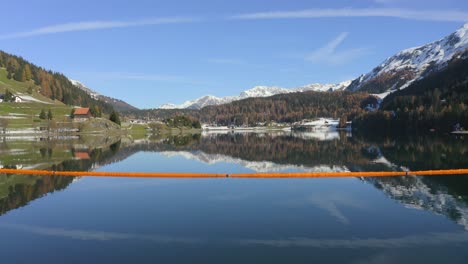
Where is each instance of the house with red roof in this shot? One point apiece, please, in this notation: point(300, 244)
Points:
point(81, 114)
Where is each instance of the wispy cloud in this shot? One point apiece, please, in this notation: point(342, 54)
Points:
point(97, 235)
point(431, 239)
point(330, 55)
point(330, 203)
point(96, 25)
point(434, 15)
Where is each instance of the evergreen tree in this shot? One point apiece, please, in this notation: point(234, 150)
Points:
point(114, 117)
point(42, 115)
point(72, 113)
point(20, 75)
point(49, 115)
point(8, 96)
point(95, 111)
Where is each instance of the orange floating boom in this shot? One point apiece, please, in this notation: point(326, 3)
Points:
point(236, 175)
point(116, 174)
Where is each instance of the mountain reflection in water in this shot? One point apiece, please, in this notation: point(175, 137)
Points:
point(261, 152)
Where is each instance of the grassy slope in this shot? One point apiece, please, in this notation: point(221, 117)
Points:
point(26, 114)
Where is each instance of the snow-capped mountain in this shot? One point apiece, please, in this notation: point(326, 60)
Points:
point(257, 91)
point(422, 194)
point(400, 70)
point(257, 166)
point(319, 87)
point(83, 87)
point(118, 104)
point(263, 91)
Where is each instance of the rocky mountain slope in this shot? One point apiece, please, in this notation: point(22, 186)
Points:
point(409, 65)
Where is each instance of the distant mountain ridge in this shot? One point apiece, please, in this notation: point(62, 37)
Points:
point(257, 91)
point(119, 105)
point(409, 65)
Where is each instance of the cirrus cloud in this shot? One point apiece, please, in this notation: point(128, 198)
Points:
point(329, 54)
point(96, 25)
point(433, 15)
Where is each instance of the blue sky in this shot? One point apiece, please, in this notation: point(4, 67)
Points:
point(153, 52)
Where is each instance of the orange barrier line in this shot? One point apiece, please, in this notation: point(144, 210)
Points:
point(116, 174)
point(237, 175)
point(319, 174)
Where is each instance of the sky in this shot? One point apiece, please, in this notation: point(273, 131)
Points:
point(151, 52)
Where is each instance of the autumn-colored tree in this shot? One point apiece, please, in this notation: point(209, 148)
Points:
point(343, 120)
point(27, 72)
point(12, 66)
point(51, 84)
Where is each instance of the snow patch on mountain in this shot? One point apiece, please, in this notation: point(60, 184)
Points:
point(257, 91)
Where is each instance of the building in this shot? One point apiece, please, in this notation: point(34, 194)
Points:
point(82, 155)
point(17, 99)
point(81, 114)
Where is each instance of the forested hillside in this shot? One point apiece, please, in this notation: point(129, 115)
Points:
point(290, 107)
point(52, 85)
point(437, 102)
point(285, 108)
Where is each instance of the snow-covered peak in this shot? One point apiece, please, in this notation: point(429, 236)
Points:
point(168, 106)
point(83, 87)
point(75, 82)
point(257, 91)
point(263, 91)
point(118, 104)
point(257, 166)
point(319, 87)
point(400, 70)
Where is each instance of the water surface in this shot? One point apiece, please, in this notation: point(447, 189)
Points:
point(408, 219)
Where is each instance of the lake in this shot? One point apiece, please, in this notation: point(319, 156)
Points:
point(54, 219)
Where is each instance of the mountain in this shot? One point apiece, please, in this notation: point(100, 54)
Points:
point(424, 194)
point(399, 71)
point(436, 102)
point(200, 102)
point(395, 73)
point(119, 105)
point(257, 91)
point(284, 108)
point(42, 84)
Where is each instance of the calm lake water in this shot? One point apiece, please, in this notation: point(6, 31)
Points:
point(409, 219)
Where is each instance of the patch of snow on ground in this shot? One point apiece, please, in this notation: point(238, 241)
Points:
point(32, 99)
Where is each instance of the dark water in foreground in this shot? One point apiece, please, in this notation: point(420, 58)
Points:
point(130, 220)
